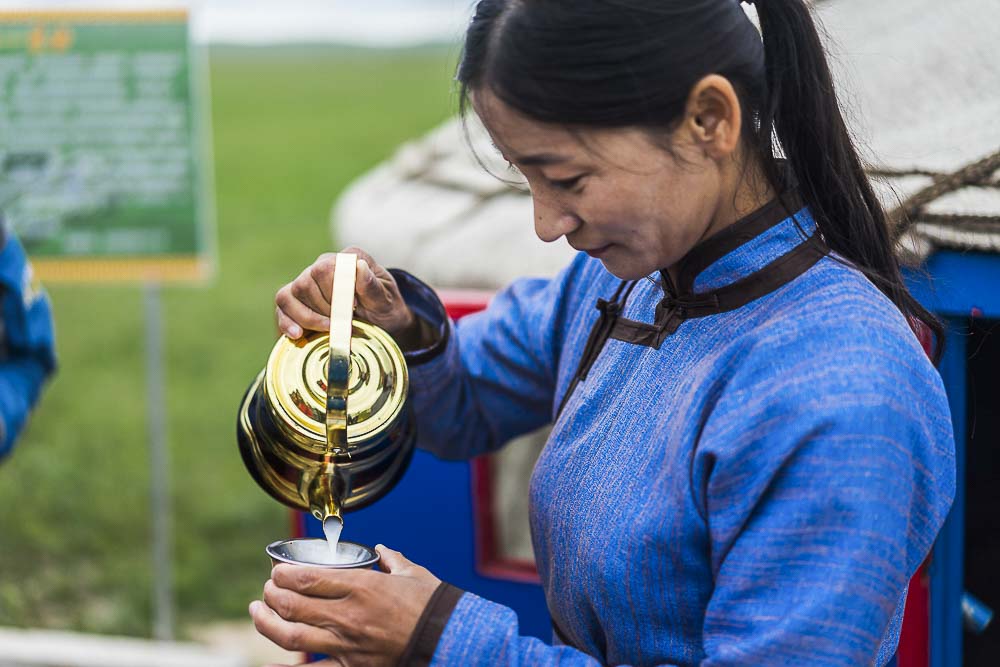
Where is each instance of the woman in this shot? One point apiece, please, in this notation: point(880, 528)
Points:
point(751, 454)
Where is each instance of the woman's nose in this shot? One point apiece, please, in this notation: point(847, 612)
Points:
point(552, 223)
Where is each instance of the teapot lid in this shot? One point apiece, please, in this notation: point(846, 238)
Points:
point(296, 376)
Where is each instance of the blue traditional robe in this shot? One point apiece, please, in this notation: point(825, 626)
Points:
point(751, 486)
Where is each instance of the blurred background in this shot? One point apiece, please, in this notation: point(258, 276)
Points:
point(302, 97)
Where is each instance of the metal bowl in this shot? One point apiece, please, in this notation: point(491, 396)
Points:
point(314, 552)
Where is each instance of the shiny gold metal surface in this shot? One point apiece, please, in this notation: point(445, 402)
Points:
point(296, 380)
point(327, 441)
point(338, 364)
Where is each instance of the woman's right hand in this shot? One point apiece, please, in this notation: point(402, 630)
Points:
point(304, 303)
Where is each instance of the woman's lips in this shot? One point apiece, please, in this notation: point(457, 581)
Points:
point(597, 252)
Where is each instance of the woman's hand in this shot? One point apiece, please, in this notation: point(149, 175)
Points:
point(304, 303)
point(357, 617)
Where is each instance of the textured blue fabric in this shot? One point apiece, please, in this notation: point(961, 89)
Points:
point(757, 491)
point(27, 347)
point(759, 251)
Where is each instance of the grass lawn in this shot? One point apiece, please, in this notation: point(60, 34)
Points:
point(292, 127)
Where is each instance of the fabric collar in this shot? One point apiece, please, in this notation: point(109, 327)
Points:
point(752, 257)
point(745, 247)
point(749, 259)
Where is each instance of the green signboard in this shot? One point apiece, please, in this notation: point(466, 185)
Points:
point(102, 172)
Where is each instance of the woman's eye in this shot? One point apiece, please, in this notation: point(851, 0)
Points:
point(567, 183)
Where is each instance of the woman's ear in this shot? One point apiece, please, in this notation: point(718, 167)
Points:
point(713, 116)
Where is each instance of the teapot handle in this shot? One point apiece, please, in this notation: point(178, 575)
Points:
point(341, 327)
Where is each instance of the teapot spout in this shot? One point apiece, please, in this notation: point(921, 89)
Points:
point(326, 493)
point(326, 509)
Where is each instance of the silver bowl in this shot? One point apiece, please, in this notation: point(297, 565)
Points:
point(314, 552)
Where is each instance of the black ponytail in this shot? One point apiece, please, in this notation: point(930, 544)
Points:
point(632, 63)
point(801, 106)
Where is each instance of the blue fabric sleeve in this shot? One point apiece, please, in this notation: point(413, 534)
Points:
point(481, 633)
point(27, 346)
point(494, 376)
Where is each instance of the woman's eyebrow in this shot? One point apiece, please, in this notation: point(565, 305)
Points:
point(533, 160)
point(539, 159)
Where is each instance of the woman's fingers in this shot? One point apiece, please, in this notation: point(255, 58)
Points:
point(357, 617)
point(287, 634)
point(295, 607)
point(317, 582)
point(371, 293)
point(379, 300)
point(286, 325)
point(308, 289)
point(362, 255)
point(291, 311)
point(304, 303)
point(392, 561)
point(320, 273)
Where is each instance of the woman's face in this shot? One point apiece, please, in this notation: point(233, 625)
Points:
point(614, 194)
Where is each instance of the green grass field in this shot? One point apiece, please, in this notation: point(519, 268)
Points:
point(292, 127)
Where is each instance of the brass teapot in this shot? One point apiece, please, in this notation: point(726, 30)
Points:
point(325, 427)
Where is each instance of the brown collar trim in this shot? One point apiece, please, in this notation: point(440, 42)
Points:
point(599, 334)
point(732, 237)
point(671, 312)
point(674, 308)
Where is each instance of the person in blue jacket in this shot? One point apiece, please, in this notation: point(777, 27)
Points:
point(750, 453)
point(27, 343)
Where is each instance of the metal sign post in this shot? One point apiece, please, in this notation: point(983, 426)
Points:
point(159, 473)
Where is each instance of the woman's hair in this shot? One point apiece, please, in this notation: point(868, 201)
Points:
point(633, 63)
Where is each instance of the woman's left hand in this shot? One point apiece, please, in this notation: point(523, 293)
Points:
point(357, 617)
